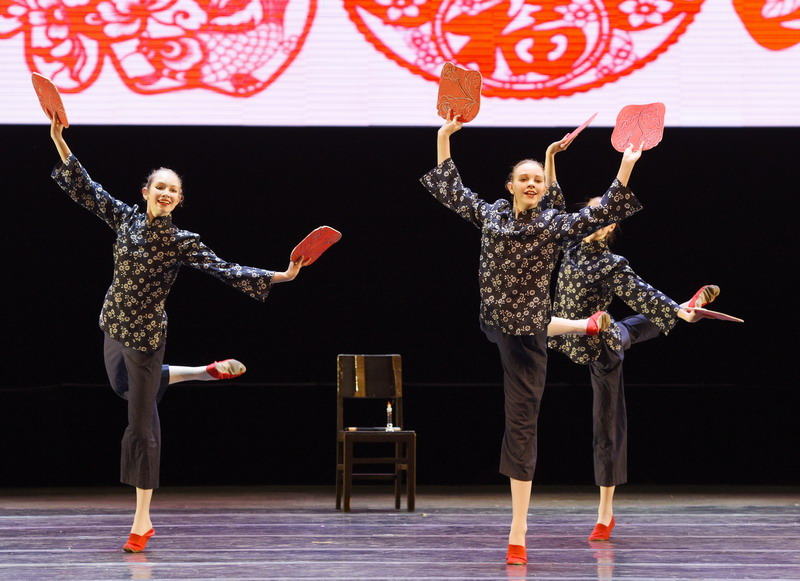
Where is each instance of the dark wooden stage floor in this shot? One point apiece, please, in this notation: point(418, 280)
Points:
point(455, 534)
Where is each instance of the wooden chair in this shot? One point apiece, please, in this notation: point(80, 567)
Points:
point(369, 382)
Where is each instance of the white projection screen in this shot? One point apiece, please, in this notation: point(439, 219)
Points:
point(732, 63)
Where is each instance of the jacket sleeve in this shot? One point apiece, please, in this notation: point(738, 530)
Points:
point(254, 282)
point(73, 178)
point(616, 204)
point(444, 183)
point(643, 298)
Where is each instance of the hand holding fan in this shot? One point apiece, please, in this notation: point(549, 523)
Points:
point(313, 245)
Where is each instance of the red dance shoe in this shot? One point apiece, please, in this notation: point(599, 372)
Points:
point(227, 369)
point(706, 294)
point(136, 543)
point(600, 321)
point(602, 532)
point(516, 555)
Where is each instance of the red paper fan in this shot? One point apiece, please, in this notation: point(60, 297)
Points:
point(49, 98)
point(574, 134)
point(459, 93)
point(313, 245)
point(639, 124)
point(706, 313)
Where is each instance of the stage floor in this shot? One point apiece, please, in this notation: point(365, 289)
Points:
point(455, 534)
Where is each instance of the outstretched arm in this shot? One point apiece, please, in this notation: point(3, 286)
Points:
point(629, 158)
point(56, 134)
point(443, 138)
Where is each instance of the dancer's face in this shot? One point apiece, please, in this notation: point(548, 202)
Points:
point(602, 233)
point(527, 186)
point(163, 194)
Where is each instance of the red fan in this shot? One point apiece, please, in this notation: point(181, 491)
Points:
point(575, 133)
point(313, 245)
point(706, 313)
point(459, 93)
point(49, 98)
point(639, 124)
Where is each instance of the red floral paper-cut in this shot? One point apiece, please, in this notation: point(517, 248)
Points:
point(549, 48)
point(774, 24)
point(313, 245)
point(233, 47)
point(459, 93)
point(49, 98)
point(640, 125)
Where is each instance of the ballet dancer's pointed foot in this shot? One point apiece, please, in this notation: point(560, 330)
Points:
point(227, 369)
point(706, 294)
point(136, 543)
point(602, 532)
point(600, 321)
point(517, 555)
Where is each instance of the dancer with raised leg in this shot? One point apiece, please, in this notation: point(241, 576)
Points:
point(589, 278)
point(148, 253)
point(520, 243)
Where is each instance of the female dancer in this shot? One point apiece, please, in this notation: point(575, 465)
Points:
point(520, 243)
point(148, 253)
point(589, 279)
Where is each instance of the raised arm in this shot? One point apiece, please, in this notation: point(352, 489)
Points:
point(443, 138)
point(629, 158)
point(550, 158)
point(56, 134)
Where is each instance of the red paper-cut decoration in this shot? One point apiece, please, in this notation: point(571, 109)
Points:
point(49, 98)
point(640, 125)
point(550, 48)
point(233, 47)
point(774, 24)
point(459, 93)
point(574, 134)
point(313, 245)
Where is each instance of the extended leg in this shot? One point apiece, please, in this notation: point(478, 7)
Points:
point(600, 321)
point(227, 369)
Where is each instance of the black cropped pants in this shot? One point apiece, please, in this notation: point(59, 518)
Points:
point(141, 379)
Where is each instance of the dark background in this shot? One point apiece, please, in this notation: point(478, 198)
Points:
point(713, 403)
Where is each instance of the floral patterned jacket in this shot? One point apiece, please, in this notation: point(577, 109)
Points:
point(518, 254)
point(589, 279)
point(147, 257)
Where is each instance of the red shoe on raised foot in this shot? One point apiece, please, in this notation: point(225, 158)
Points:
point(516, 555)
point(136, 543)
point(600, 321)
point(706, 294)
point(602, 532)
point(227, 369)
